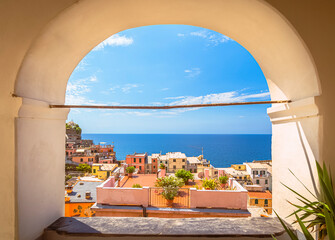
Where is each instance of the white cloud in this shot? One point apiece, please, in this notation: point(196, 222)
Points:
point(193, 72)
point(226, 97)
point(175, 97)
point(76, 90)
point(212, 38)
point(93, 79)
point(126, 88)
point(82, 66)
point(165, 89)
point(115, 40)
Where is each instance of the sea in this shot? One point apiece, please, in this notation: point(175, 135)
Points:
point(221, 150)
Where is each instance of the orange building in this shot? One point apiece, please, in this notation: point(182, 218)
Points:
point(90, 159)
point(138, 160)
point(154, 163)
point(80, 198)
point(261, 199)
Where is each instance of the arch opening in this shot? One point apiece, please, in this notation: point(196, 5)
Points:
point(43, 76)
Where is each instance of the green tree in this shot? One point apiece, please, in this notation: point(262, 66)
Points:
point(185, 175)
point(130, 169)
point(170, 186)
point(136, 185)
point(162, 166)
point(223, 179)
point(84, 168)
point(210, 184)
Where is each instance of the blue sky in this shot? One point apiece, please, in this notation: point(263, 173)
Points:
point(169, 65)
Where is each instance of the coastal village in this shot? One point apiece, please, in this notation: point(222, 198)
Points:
point(160, 185)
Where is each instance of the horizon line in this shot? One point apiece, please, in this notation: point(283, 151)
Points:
point(190, 133)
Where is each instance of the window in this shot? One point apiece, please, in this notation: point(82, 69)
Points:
point(257, 181)
point(140, 168)
point(174, 167)
point(154, 167)
point(174, 160)
point(183, 166)
point(190, 170)
point(255, 172)
point(154, 160)
point(266, 181)
point(140, 160)
point(245, 178)
point(239, 167)
point(195, 170)
point(161, 161)
point(256, 201)
point(266, 202)
point(134, 160)
point(81, 160)
point(94, 170)
point(183, 160)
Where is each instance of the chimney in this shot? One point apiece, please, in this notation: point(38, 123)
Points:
point(88, 195)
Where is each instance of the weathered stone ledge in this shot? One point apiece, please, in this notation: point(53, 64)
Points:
point(164, 227)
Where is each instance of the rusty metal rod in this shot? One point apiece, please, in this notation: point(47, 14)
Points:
point(170, 107)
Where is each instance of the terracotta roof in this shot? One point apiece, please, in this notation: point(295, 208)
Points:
point(259, 195)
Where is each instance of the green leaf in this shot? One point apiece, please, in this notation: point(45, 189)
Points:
point(303, 184)
point(296, 193)
point(307, 234)
point(288, 230)
point(330, 225)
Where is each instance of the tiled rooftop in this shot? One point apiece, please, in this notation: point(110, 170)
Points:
point(176, 155)
point(234, 172)
point(106, 166)
point(260, 195)
point(193, 160)
point(257, 165)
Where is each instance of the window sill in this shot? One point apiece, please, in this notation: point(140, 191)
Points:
point(112, 227)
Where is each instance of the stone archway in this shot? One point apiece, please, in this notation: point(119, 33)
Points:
point(60, 46)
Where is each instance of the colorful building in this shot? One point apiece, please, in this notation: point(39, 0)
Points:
point(103, 171)
point(260, 174)
point(84, 155)
point(177, 160)
point(261, 199)
point(241, 176)
point(138, 160)
point(154, 163)
point(80, 198)
point(240, 167)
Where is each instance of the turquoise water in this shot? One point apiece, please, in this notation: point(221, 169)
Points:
point(221, 149)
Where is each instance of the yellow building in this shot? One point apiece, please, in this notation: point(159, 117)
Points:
point(177, 160)
point(103, 171)
point(240, 167)
point(261, 199)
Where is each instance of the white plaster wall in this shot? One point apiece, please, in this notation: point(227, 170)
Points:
point(40, 134)
point(292, 149)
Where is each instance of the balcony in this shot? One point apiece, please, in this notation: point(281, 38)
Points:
point(148, 201)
